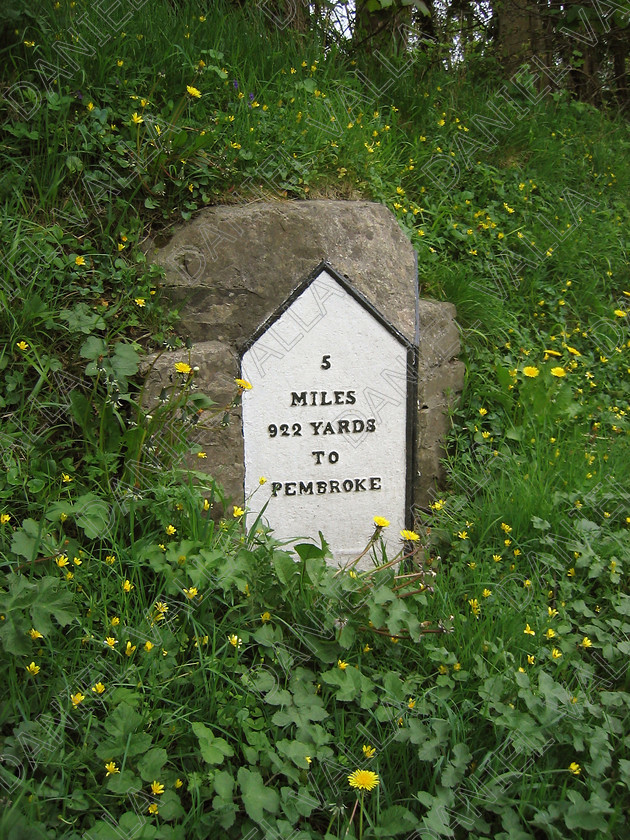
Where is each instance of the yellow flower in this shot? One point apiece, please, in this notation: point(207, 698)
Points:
point(110, 559)
point(79, 260)
point(237, 511)
point(157, 788)
point(575, 768)
point(140, 302)
point(182, 367)
point(556, 654)
point(33, 669)
point(111, 641)
point(527, 583)
point(474, 606)
point(35, 634)
point(532, 372)
point(111, 768)
point(115, 621)
point(129, 649)
point(363, 780)
point(530, 659)
point(234, 640)
point(136, 119)
point(266, 616)
point(193, 91)
point(438, 505)
point(550, 633)
point(483, 411)
point(341, 664)
point(381, 522)
point(98, 688)
point(178, 784)
point(170, 530)
point(368, 751)
point(262, 480)
point(206, 504)
point(120, 62)
point(62, 561)
point(202, 455)
point(128, 586)
point(191, 593)
point(148, 646)
point(77, 698)
point(153, 809)
point(620, 313)
point(409, 535)
point(496, 558)
point(243, 384)
point(571, 573)
point(529, 630)
point(586, 642)
point(463, 535)
point(558, 371)
point(486, 593)
point(66, 479)
point(22, 345)
point(366, 649)
point(411, 703)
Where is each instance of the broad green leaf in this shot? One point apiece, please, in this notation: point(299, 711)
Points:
point(151, 763)
point(213, 750)
point(257, 797)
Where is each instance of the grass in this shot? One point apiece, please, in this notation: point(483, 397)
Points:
point(240, 687)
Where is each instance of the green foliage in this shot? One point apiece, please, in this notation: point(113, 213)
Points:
point(172, 672)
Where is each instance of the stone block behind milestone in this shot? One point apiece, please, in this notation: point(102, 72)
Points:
point(236, 273)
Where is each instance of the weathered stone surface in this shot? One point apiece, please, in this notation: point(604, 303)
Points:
point(232, 267)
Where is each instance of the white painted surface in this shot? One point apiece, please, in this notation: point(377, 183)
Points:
point(367, 364)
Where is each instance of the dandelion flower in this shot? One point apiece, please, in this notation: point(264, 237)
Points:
point(243, 384)
point(558, 371)
point(409, 535)
point(363, 780)
point(531, 372)
point(196, 94)
point(182, 367)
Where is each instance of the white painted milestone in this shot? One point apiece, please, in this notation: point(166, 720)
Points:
point(325, 422)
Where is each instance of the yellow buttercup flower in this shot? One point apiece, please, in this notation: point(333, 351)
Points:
point(237, 511)
point(77, 698)
point(528, 630)
point(170, 530)
point(575, 768)
point(128, 586)
point(33, 669)
point(35, 634)
point(157, 788)
point(368, 751)
point(111, 768)
point(98, 688)
point(135, 118)
point(79, 260)
point(22, 345)
point(341, 664)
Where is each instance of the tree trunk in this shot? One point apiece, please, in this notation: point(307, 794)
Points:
point(519, 33)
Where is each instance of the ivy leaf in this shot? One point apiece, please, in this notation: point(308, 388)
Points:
point(257, 797)
point(213, 750)
point(151, 763)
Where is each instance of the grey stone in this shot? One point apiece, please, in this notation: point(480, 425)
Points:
point(232, 267)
